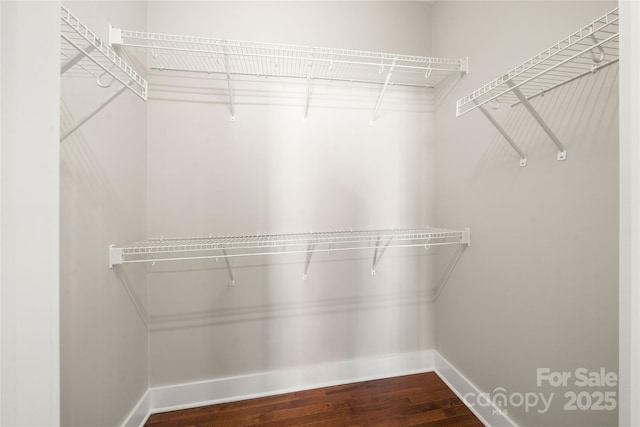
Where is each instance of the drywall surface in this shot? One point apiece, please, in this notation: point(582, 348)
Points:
point(271, 171)
point(629, 413)
point(538, 289)
point(104, 358)
point(29, 251)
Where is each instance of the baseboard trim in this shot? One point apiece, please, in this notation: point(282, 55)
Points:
point(140, 413)
point(261, 384)
point(486, 411)
point(220, 390)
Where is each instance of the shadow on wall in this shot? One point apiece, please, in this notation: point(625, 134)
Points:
point(222, 304)
point(129, 288)
point(83, 178)
point(278, 91)
point(580, 113)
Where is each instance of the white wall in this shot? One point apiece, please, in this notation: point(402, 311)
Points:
point(29, 393)
point(629, 215)
point(29, 369)
point(539, 286)
point(270, 171)
point(104, 357)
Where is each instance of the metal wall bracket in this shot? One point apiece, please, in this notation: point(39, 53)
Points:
point(562, 151)
point(232, 280)
point(307, 261)
point(494, 122)
point(384, 87)
point(228, 71)
point(306, 104)
point(377, 254)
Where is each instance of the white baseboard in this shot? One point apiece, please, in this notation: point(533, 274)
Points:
point(140, 412)
point(191, 395)
point(486, 411)
point(220, 390)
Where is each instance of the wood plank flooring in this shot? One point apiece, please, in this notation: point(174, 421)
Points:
point(413, 400)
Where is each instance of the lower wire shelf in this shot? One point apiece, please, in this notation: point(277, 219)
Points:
point(225, 247)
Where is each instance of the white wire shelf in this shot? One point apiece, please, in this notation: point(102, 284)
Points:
point(245, 58)
point(84, 54)
point(225, 247)
point(592, 47)
point(586, 51)
point(209, 55)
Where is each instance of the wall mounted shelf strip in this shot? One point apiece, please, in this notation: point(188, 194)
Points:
point(83, 54)
point(586, 51)
point(225, 247)
point(243, 58)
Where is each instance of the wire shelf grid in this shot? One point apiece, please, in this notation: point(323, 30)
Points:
point(269, 244)
point(220, 56)
point(585, 51)
point(84, 54)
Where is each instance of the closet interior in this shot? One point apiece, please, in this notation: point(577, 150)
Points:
point(338, 157)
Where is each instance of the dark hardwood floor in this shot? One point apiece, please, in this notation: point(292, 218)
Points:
point(413, 400)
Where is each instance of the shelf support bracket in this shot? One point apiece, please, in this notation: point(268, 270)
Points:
point(377, 254)
point(307, 261)
point(562, 151)
point(228, 70)
point(384, 87)
point(232, 280)
point(87, 117)
point(76, 58)
point(494, 122)
point(306, 104)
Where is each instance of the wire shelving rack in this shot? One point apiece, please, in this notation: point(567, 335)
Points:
point(84, 54)
point(245, 58)
point(585, 51)
point(226, 247)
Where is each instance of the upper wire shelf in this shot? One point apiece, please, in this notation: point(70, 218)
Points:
point(244, 58)
point(225, 247)
point(210, 55)
point(84, 54)
point(592, 47)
